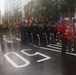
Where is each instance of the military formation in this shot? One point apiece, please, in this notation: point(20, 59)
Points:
point(50, 33)
point(43, 31)
point(39, 33)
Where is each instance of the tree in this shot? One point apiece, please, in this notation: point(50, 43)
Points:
point(56, 9)
point(68, 7)
point(48, 9)
point(17, 16)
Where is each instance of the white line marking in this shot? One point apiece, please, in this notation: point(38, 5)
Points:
point(45, 48)
point(44, 59)
point(18, 39)
point(11, 35)
point(8, 41)
point(52, 49)
point(56, 45)
point(0, 47)
point(58, 48)
point(23, 51)
point(37, 53)
point(71, 53)
point(4, 36)
point(13, 63)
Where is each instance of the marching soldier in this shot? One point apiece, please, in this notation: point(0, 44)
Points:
point(65, 32)
point(54, 31)
point(22, 32)
point(47, 31)
point(71, 38)
point(58, 27)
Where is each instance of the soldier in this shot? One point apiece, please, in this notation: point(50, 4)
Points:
point(40, 32)
point(71, 38)
point(34, 29)
point(22, 32)
point(58, 27)
point(54, 32)
point(30, 30)
point(47, 31)
point(25, 32)
point(65, 32)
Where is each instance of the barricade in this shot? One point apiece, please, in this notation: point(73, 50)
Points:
point(32, 38)
point(39, 39)
point(52, 35)
point(27, 37)
point(46, 38)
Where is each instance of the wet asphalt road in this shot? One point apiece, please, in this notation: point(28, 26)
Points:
point(53, 64)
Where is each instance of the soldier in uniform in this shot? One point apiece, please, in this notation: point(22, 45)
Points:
point(25, 32)
point(22, 32)
point(47, 31)
point(40, 32)
point(71, 38)
point(58, 27)
point(54, 32)
point(65, 32)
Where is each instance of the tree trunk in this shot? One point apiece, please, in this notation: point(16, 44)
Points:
point(70, 14)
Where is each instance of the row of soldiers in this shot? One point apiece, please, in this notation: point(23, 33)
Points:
point(62, 30)
point(38, 32)
point(66, 29)
point(38, 29)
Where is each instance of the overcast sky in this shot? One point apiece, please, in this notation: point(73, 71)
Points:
point(2, 6)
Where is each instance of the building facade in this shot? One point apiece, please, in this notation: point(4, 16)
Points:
point(11, 5)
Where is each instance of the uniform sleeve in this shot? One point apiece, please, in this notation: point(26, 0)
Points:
point(71, 32)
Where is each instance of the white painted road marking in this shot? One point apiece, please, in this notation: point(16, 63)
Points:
point(23, 59)
point(52, 49)
point(13, 63)
point(18, 39)
point(4, 36)
point(45, 48)
point(37, 53)
point(0, 47)
point(8, 41)
point(46, 57)
point(56, 45)
point(23, 51)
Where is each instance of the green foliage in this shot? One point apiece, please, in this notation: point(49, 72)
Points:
point(47, 9)
point(68, 7)
point(55, 7)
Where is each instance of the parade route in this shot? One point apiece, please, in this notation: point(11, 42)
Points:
point(38, 37)
point(29, 59)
